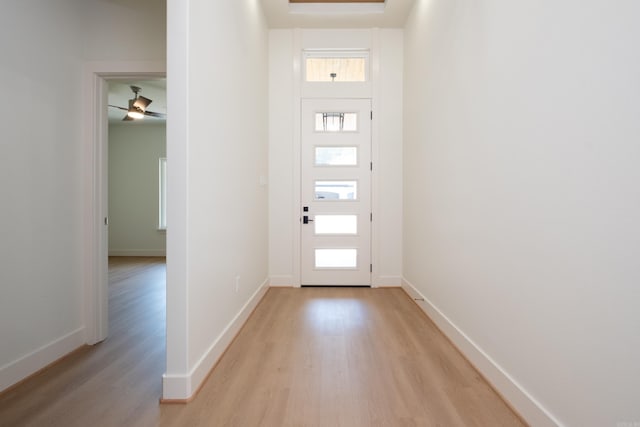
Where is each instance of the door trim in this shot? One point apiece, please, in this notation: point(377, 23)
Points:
point(366, 170)
point(297, 155)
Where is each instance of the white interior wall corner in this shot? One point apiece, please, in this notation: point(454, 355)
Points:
point(219, 238)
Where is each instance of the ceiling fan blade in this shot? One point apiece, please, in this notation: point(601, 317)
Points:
point(121, 108)
point(142, 102)
point(154, 114)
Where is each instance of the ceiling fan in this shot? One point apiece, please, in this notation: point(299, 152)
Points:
point(138, 107)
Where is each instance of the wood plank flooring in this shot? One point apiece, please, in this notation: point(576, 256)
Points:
point(115, 381)
point(307, 357)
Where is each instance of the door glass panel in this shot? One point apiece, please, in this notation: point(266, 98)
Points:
point(336, 190)
point(336, 122)
point(336, 224)
point(336, 258)
point(336, 156)
point(350, 122)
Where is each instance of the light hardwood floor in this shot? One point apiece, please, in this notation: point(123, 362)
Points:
point(307, 357)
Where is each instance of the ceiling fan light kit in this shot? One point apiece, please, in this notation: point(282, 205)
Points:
point(138, 107)
point(135, 113)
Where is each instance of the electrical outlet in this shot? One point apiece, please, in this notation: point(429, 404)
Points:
point(237, 283)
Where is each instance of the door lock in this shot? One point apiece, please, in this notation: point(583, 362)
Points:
point(306, 220)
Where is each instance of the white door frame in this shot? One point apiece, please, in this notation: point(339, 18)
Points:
point(95, 138)
point(364, 190)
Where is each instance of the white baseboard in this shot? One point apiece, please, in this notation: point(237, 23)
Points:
point(15, 371)
point(284, 281)
point(138, 252)
point(521, 401)
point(379, 282)
point(387, 281)
point(183, 387)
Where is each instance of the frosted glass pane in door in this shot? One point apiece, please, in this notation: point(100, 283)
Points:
point(350, 122)
point(336, 224)
point(336, 258)
point(336, 190)
point(336, 156)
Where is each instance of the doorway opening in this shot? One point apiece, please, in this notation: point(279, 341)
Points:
point(97, 78)
point(137, 152)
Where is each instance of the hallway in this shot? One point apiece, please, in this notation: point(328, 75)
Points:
point(310, 356)
point(351, 357)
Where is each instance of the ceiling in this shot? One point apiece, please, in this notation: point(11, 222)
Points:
point(278, 16)
point(120, 93)
point(394, 16)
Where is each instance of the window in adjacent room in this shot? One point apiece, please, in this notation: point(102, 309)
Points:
point(162, 211)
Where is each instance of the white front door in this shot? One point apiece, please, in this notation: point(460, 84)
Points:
point(336, 192)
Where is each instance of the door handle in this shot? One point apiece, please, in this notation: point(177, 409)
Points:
point(306, 220)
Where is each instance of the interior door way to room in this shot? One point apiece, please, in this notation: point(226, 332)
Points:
point(335, 206)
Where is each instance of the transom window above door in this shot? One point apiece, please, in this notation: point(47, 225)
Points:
point(336, 1)
point(323, 7)
point(336, 66)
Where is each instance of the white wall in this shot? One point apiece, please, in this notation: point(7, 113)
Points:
point(217, 151)
point(134, 152)
point(41, 215)
point(284, 47)
point(388, 193)
point(43, 45)
point(281, 149)
point(521, 196)
point(117, 30)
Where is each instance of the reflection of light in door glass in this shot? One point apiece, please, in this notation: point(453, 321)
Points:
point(336, 224)
point(328, 122)
point(336, 156)
point(336, 190)
point(336, 122)
point(336, 258)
